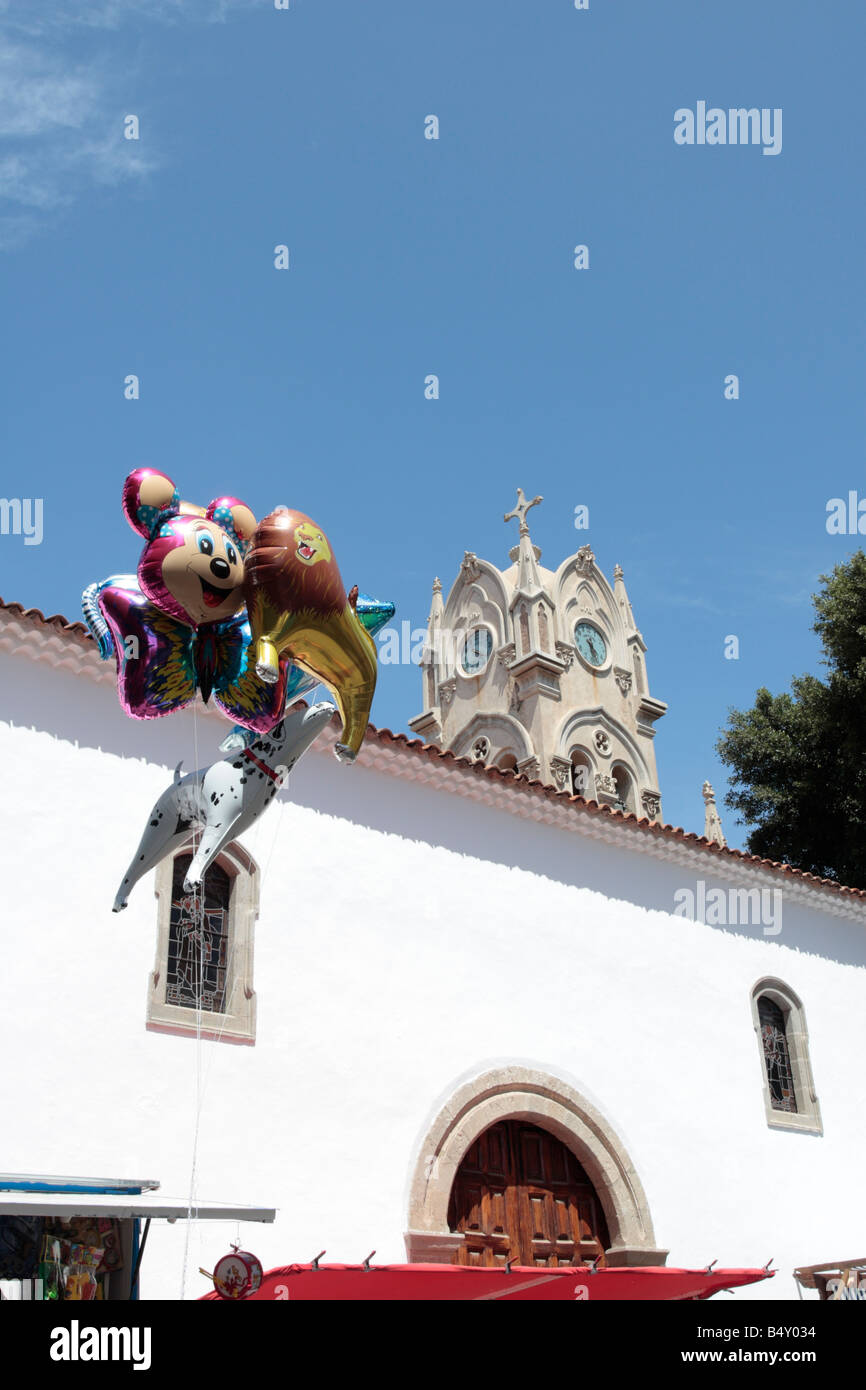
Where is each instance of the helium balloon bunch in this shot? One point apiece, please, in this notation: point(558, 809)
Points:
point(249, 615)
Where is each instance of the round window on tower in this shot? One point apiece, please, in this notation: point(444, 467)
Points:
point(481, 750)
point(590, 643)
point(476, 651)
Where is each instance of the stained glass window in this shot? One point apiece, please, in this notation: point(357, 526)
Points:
point(776, 1055)
point(198, 940)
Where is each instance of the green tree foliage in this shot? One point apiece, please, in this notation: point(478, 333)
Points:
point(798, 760)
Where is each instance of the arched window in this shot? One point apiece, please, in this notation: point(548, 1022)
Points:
point(777, 1057)
point(638, 675)
point(543, 638)
point(202, 982)
point(581, 776)
point(198, 940)
point(524, 630)
point(624, 789)
point(507, 762)
point(779, 1020)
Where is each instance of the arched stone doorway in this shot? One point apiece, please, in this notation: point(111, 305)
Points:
point(537, 1099)
point(521, 1194)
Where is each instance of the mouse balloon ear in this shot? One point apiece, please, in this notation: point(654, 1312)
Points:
point(235, 518)
point(149, 497)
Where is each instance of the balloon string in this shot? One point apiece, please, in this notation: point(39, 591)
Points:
point(203, 1074)
point(198, 919)
point(256, 834)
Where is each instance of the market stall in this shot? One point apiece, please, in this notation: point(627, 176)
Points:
point(83, 1239)
point(511, 1282)
point(836, 1280)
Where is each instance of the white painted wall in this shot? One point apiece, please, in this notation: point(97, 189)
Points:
point(408, 938)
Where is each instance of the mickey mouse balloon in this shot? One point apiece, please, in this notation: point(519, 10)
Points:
point(192, 564)
point(177, 625)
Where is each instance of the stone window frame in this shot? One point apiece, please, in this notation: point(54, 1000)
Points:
point(807, 1117)
point(238, 1024)
point(525, 1093)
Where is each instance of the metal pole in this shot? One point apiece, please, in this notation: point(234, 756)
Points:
point(133, 1282)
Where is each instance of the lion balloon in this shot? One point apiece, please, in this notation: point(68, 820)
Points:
point(298, 608)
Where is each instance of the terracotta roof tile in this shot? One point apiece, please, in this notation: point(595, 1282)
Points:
point(525, 784)
point(55, 620)
point(640, 823)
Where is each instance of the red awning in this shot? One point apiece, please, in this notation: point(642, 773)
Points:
point(356, 1283)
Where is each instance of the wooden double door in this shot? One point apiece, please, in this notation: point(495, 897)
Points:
point(521, 1194)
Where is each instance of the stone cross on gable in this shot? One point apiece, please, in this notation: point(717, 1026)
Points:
point(521, 509)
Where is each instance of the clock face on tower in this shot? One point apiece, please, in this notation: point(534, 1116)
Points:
point(590, 644)
point(476, 651)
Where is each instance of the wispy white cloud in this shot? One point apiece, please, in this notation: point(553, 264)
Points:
point(41, 17)
point(61, 101)
point(39, 93)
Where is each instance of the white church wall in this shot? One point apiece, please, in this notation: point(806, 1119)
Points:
point(408, 938)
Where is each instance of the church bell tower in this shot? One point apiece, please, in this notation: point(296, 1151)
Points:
point(543, 673)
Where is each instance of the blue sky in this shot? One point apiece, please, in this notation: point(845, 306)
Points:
point(410, 256)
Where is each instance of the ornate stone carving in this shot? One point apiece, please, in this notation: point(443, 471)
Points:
point(520, 511)
point(604, 784)
point(561, 770)
point(585, 560)
point(446, 691)
point(533, 679)
point(652, 804)
point(530, 766)
point(712, 821)
point(470, 568)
